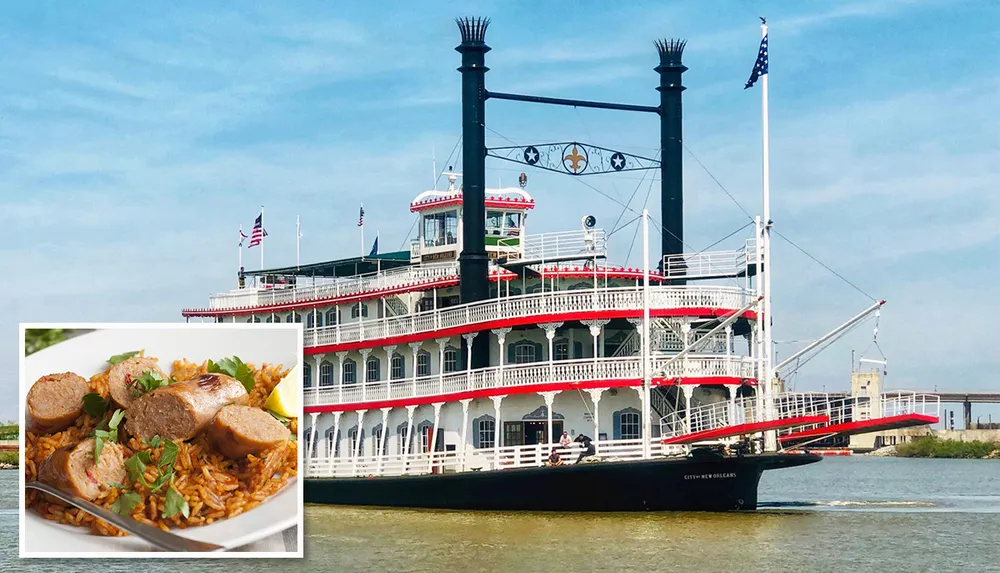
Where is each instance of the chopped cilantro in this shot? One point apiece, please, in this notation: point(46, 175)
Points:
point(279, 417)
point(153, 442)
point(111, 434)
point(94, 404)
point(147, 382)
point(236, 368)
point(118, 358)
point(125, 503)
point(136, 465)
point(119, 485)
point(175, 504)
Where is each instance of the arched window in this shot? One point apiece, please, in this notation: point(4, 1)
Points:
point(254, 319)
point(332, 317)
point(397, 370)
point(377, 439)
point(332, 443)
point(294, 317)
point(350, 372)
point(359, 310)
point(306, 375)
point(325, 374)
point(523, 352)
point(560, 350)
point(401, 439)
point(270, 318)
point(314, 319)
point(450, 359)
point(423, 363)
point(310, 451)
point(483, 432)
point(352, 435)
point(373, 368)
point(627, 424)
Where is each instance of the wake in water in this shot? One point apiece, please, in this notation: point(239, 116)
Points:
point(838, 503)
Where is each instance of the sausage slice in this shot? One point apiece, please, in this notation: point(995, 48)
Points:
point(72, 468)
point(238, 431)
point(182, 409)
point(122, 375)
point(55, 402)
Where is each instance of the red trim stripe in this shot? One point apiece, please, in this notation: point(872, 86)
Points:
point(515, 390)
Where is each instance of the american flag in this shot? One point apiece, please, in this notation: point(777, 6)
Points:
point(760, 67)
point(361, 217)
point(258, 233)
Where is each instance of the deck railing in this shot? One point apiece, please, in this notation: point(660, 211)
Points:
point(514, 375)
point(521, 306)
point(711, 263)
point(390, 279)
point(472, 459)
point(560, 246)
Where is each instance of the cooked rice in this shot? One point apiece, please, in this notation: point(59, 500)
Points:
point(214, 486)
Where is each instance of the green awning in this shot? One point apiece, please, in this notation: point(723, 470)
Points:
point(341, 268)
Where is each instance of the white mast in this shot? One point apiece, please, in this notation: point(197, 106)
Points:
point(646, 367)
point(361, 223)
point(298, 236)
point(261, 237)
point(770, 437)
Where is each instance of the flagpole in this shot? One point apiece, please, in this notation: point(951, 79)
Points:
point(240, 247)
point(298, 235)
point(770, 438)
point(261, 237)
point(362, 221)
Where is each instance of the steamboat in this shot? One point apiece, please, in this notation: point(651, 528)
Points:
point(489, 368)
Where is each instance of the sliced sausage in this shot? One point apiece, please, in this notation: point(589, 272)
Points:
point(182, 409)
point(122, 376)
point(72, 468)
point(238, 431)
point(55, 402)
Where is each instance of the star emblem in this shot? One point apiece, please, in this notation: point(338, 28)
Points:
point(618, 161)
point(530, 155)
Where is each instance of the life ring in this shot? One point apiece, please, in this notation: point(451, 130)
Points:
point(371, 475)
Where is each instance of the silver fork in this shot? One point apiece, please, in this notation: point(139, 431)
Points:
point(154, 535)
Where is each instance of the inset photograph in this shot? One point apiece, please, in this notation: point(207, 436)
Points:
point(178, 439)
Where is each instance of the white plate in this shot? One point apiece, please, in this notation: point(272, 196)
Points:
point(86, 355)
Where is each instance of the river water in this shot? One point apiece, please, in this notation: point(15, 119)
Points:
point(843, 514)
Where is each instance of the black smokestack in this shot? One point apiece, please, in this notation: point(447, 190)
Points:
point(473, 262)
point(671, 138)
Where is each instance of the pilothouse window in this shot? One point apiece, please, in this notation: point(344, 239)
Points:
point(440, 229)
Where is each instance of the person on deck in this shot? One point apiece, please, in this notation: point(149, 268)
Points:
point(554, 459)
point(589, 449)
point(564, 441)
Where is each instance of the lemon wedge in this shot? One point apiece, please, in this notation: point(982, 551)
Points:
point(284, 399)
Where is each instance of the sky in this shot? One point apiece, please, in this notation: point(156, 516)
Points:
point(136, 139)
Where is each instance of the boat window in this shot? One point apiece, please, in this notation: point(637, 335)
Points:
point(494, 222)
point(314, 319)
point(450, 360)
point(350, 372)
point(398, 367)
point(326, 374)
point(352, 435)
point(359, 310)
point(628, 424)
point(294, 317)
point(440, 228)
point(332, 317)
point(377, 436)
point(524, 352)
point(333, 443)
point(485, 432)
point(512, 225)
point(401, 431)
point(423, 363)
point(306, 375)
point(373, 369)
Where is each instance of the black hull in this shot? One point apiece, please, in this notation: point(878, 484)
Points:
point(679, 484)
